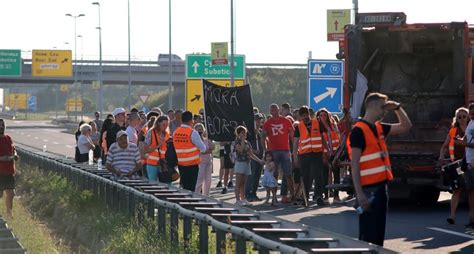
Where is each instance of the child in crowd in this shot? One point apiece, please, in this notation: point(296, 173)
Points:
point(268, 180)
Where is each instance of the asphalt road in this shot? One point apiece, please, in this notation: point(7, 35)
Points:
point(410, 228)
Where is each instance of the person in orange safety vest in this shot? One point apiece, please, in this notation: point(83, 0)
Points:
point(188, 145)
point(370, 164)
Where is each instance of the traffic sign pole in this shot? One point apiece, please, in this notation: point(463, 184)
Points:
point(232, 67)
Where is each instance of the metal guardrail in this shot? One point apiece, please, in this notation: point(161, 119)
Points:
point(156, 202)
point(9, 244)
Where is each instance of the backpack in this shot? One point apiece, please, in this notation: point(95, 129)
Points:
point(170, 155)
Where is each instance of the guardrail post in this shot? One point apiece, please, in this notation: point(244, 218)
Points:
point(220, 241)
point(187, 231)
point(240, 244)
point(151, 208)
point(174, 227)
point(131, 204)
point(162, 221)
point(115, 197)
point(204, 237)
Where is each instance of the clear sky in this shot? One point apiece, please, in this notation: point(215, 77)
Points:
point(267, 31)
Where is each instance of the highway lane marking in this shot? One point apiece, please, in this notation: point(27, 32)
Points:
point(36, 137)
point(45, 140)
point(69, 146)
point(56, 143)
point(453, 233)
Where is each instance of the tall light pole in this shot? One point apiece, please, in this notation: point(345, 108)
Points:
point(355, 10)
point(170, 67)
point(80, 87)
point(100, 100)
point(232, 66)
point(75, 59)
point(129, 64)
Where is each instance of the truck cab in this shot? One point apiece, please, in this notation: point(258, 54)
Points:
point(427, 68)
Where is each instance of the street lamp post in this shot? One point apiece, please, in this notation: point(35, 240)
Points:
point(80, 87)
point(75, 59)
point(100, 99)
point(129, 64)
point(170, 67)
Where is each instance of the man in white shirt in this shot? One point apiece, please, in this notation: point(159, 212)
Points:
point(468, 142)
point(134, 123)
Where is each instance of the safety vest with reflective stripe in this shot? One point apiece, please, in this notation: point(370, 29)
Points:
point(374, 162)
point(452, 135)
point(153, 157)
point(186, 151)
point(310, 142)
point(335, 141)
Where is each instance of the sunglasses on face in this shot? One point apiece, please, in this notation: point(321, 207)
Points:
point(462, 117)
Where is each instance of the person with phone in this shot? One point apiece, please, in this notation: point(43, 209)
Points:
point(370, 163)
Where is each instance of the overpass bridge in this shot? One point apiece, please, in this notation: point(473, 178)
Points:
point(114, 73)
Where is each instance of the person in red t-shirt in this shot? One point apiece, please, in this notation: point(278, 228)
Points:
point(7, 167)
point(280, 131)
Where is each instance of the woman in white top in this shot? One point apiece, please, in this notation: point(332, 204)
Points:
point(84, 143)
point(205, 167)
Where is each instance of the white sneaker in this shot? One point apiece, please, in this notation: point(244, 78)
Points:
point(245, 202)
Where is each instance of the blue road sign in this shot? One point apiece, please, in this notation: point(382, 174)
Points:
point(32, 105)
point(325, 69)
point(325, 93)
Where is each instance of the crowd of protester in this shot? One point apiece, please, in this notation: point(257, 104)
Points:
point(137, 144)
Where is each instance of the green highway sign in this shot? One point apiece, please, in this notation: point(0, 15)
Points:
point(10, 62)
point(200, 66)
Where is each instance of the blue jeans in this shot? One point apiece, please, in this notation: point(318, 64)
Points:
point(253, 180)
point(282, 160)
point(152, 172)
point(372, 222)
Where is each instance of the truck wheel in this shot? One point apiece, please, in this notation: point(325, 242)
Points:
point(425, 196)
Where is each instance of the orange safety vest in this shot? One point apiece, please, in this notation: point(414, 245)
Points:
point(164, 146)
point(335, 140)
point(310, 142)
point(452, 135)
point(153, 157)
point(374, 162)
point(186, 151)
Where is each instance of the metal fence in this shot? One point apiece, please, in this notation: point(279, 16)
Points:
point(143, 198)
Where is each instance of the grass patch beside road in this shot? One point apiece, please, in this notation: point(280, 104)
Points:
point(31, 232)
point(87, 225)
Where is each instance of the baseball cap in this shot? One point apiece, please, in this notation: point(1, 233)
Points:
point(121, 133)
point(118, 111)
point(258, 116)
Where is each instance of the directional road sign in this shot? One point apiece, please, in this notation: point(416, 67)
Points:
point(96, 85)
point(10, 62)
point(326, 93)
point(52, 63)
point(18, 101)
point(201, 67)
point(32, 103)
point(325, 83)
point(64, 88)
point(336, 20)
point(194, 98)
point(325, 69)
point(71, 106)
point(219, 53)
